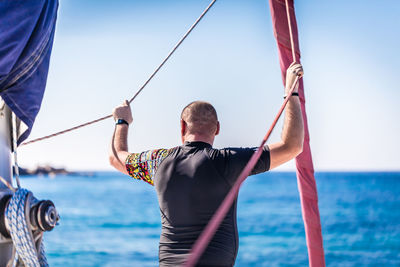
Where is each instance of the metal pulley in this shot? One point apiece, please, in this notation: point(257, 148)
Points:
point(43, 215)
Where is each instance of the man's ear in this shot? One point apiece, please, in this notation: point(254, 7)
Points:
point(217, 131)
point(183, 128)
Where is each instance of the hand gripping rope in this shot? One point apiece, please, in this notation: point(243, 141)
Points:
point(205, 237)
point(140, 89)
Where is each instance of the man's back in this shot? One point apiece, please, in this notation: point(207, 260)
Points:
point(191, 182)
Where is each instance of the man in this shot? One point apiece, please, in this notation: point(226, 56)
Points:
point(192, 180)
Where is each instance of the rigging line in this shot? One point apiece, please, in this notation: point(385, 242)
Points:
point(14, 144)
point(6, 183)
point(290, 30)
point(173, 50)
point(205, 237)
point(140, 89)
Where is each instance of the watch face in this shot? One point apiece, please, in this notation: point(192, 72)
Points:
point(122, 121)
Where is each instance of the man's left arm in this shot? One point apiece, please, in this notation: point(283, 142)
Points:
point(291, 143)
point(119, 143)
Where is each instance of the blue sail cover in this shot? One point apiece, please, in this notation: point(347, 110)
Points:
point(26, 39)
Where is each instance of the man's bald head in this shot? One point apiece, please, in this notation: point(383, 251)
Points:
point(200, 118)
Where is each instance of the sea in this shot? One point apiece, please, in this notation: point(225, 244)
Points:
point(109, 219)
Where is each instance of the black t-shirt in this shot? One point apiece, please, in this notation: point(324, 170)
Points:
point(191, 182)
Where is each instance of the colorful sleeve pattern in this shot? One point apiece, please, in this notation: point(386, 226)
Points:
point(143, 166)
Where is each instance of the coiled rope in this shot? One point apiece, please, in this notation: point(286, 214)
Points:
point(140, 89)
point(18, 222)
point(205, 237)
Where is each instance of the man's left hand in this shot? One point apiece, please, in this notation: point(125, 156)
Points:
point(294, 70)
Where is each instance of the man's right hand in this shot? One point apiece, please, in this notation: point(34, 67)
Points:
point(294, 70)
point(123, 112)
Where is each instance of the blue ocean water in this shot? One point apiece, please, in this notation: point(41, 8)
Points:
point(112, 220)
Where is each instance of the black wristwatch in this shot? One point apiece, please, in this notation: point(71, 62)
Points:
point(121, 121)
point(293, 94)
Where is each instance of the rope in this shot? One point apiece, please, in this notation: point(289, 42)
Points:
point(6, 183)
point(290, 31)
point(211, 228)
point(65, 131)
point(20, 231)
point(140, 89)
point(14, 143)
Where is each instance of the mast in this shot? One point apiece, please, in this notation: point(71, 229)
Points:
point(6, 244)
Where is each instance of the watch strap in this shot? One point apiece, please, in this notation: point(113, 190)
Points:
point(293, 94)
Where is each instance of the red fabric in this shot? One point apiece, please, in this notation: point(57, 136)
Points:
point(305, 170)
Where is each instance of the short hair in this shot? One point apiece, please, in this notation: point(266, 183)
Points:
point(200, 118)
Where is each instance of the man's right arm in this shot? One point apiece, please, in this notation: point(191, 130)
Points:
point(292, 138)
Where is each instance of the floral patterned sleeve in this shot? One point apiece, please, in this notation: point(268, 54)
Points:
point(142, 166)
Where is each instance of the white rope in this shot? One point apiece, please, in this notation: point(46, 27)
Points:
point(21, 232)
point(15, 146)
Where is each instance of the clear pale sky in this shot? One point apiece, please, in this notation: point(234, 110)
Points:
point(104, 51)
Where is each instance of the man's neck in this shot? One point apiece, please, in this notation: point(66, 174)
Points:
point(198, 138)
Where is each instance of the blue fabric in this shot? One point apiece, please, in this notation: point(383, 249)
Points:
point(26, 39)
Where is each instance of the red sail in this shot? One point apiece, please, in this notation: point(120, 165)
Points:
point(304, 164)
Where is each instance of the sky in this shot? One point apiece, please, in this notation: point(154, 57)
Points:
point(104, 51)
